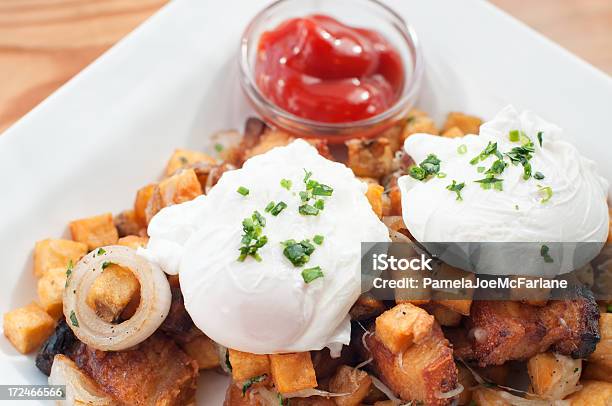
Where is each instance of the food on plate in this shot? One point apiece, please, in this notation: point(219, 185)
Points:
point(249, 264)
point(318, 68)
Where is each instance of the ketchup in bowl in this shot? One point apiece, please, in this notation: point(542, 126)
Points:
point(317, 68)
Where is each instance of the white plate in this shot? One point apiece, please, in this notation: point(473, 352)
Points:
point(173, 82)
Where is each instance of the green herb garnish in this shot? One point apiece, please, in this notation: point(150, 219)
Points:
point(462, 149)
point(320, 204)
point(481, 169)
point(417, 172)
point(456, 187)
point(514, 135)
point(286, 183)
point(243, 191)
point(441, 175)
point(540, 134)
point(218, 147)
point(489, 182)
point(252, 239)
point(101, 251)
point(106, 264)
point(546, 193)
point(310, 274)
point(228, 364)
point(69, 271)
point(430, 166)
point(538, 175)
point(318, 239)
point(280, 206)
point(522, 155)
point(249, 382)
point(544, 253)
point(269, 207)
point(498, 167)
point(73, 319)
point(308, 210)
point(298, 253)
point(490, 149)
point(313, 190)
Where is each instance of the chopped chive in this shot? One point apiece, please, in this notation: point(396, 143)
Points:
point(307, 175)
point(540, 134)
point(481, 169)
point(308, 210)
point(514, 135)
point(546, 193)
point(218, 147)
point(490, 149)
point(298, 253)
point(101, 251)
point(69, 271)
point(106, 264)
point(516, 207)
point(462, 149)
point(322, 190)
point(286, 183)
point(269, 207)
point(243, 191)
point(73, 319)
point(538, 175)
point(456, 187)
point(319, 204)
point(544, 253)
point(280, 206)
point(430, 166)
point(417, 172)
point(310, 274)
point(252, 239)
point(498, 186)
point(441, 175)
point(318, 239)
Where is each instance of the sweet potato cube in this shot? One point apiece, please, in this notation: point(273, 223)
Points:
point(246, 365)
point(292, 372)
point(50, 254)
point(593, 393)
point(96, 231)
point(400, 327)
point(419, 124)
point(374, 195)
point(185, 157)
point(133, 241)
point(179, 188)
point(453, 132)
point(51, 290)
point(203, 350)
point(553, 376)
point(143, 196)
point(466, 123)
point(355, 382)
point(112, 291)
point(28, 327)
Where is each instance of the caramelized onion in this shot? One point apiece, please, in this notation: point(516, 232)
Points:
point(152, 310)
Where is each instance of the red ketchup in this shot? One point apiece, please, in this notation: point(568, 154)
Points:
point(320, 69)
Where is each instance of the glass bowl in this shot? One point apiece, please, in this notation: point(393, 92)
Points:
point(370, 14)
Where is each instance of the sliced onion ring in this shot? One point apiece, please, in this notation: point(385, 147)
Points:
point(153, 308)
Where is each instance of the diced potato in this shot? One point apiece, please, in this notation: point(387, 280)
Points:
point(533, 297)
point(598, 371)
point(96, 231)
point(133, 241)
point(112, 291)
point(268, 140)
point(141, 202)
point(292, 372)
point(420, 123)
point(203, 350)
point(593, 393)
point(50, 254)
point(395, 198)
point(603, 351)
point(444, 316)
point(366, 307)
point(460, 306)
point(467, 124)
point(488, 397)
point(394, 135)
point(553, 376)
point(374, 195)
point(28, 327)
point(466, 379)
point(246, 365)
point(51, 290)
point(180, 188)
point(402, 326)
point(458, 302)
point(353, 381)
point(453, 132)
point(184, 157)
point(370, 158)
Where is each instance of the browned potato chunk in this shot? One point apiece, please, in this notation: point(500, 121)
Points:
point(28, 327)
point(133, 241)
point(180, 188)
point(374, 195)
point(292, 372)
point(370, 158)
point(203, 350)
point(419, 122)
point(593, 393)
point(270, 139)
point(444, 316)
point(453, 132)
point(51, 290)
point(50, 254)
point(467, 124)
point(553, 376)
point(246, 365)
point(366, 307)
point(143, 196)
point(488, 397)
point(395, 200)
point(353, 381)
point(126, 223)
point(96, 231)
point(402, 326)
point(182, 158)
point(112, 291)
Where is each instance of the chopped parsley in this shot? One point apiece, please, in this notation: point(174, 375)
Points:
point(218, 147)
point(462, 149)
point(243, 191)
point(497, 168)
point(538, 175)
point(456, 187)
point(490, 149)
point(253, 238)
point(101, 251)
point(544, 253)
point(318, 239)
point(249, 382)
point(298, 253)
point(73, 319)
point(286, 183)
point(481, 169)
point(310, 274)
point(489, 182)
point(69, 271)
point(429, 167)
point(522, 155)
point(320, 204)
point(280, 206)
point(576, 370)
point(546, 193)
point(540, 134)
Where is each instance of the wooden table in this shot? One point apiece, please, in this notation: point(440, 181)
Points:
point(43, 43)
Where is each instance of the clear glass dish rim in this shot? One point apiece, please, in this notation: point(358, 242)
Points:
point(410, 87)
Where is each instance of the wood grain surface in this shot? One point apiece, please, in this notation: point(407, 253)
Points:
point(43, 43)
